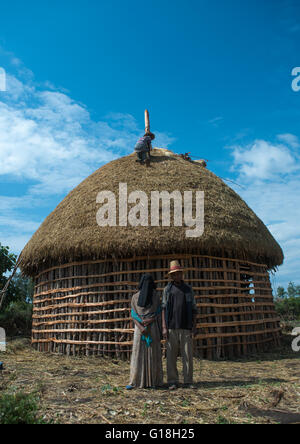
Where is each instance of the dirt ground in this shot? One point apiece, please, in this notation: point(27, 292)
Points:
point(260, 389)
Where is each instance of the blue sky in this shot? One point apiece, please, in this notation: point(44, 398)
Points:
point(215, 75)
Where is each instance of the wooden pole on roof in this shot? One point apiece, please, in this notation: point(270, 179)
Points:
point(147, 122)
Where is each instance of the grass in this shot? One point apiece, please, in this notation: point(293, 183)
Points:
point(259, 389)
point(20, 408)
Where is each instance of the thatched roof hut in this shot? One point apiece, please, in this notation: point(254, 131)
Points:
point(85, 274)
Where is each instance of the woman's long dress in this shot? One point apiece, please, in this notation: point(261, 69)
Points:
point(146, 362)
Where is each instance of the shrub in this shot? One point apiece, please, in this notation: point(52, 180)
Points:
point(19, 408)
point(287, 302)
point(288, 308)
point(16, 319)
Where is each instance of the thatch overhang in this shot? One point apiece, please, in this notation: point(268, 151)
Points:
point(71, 232)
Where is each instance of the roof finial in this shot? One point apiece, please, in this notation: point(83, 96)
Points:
point(147, 122)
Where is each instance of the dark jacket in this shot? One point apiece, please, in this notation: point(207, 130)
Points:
point(143, 144)
point(189, 300)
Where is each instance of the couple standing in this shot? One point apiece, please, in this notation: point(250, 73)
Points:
point(174, 319)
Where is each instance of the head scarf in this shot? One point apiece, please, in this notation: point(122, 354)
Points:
point(146, 287)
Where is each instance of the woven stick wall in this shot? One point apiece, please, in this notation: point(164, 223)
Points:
point(84, 307)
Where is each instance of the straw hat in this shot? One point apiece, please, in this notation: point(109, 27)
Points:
point(175, 266)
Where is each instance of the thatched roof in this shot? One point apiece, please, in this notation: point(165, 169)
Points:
point(71, 233)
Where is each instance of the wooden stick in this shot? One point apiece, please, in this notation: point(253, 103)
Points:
point(135, 258)
point(4, 290)
point(147, 121)
point(215, 335)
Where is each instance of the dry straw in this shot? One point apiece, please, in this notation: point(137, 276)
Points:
point(71, 233)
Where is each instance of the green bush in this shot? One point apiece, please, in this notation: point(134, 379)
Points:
point(287, 302)
point(16, 319)
point(288, 308)
point(19, 408)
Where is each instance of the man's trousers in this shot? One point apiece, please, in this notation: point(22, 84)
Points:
point(179, 339)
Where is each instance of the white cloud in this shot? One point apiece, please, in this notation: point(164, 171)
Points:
point(215, 121)
point(264, 160)
point(18, 224)
point(47, 137)
point(15, 241)
point(16, 90)
point(50, 143)
point(51, 140)
point(289, 139)
point(271, 187)
point(16, 227)
point(8, 203)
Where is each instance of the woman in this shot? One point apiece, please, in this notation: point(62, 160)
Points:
point(146, 359)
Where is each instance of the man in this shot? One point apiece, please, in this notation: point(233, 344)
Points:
point(179, 325)
point(143, 148)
